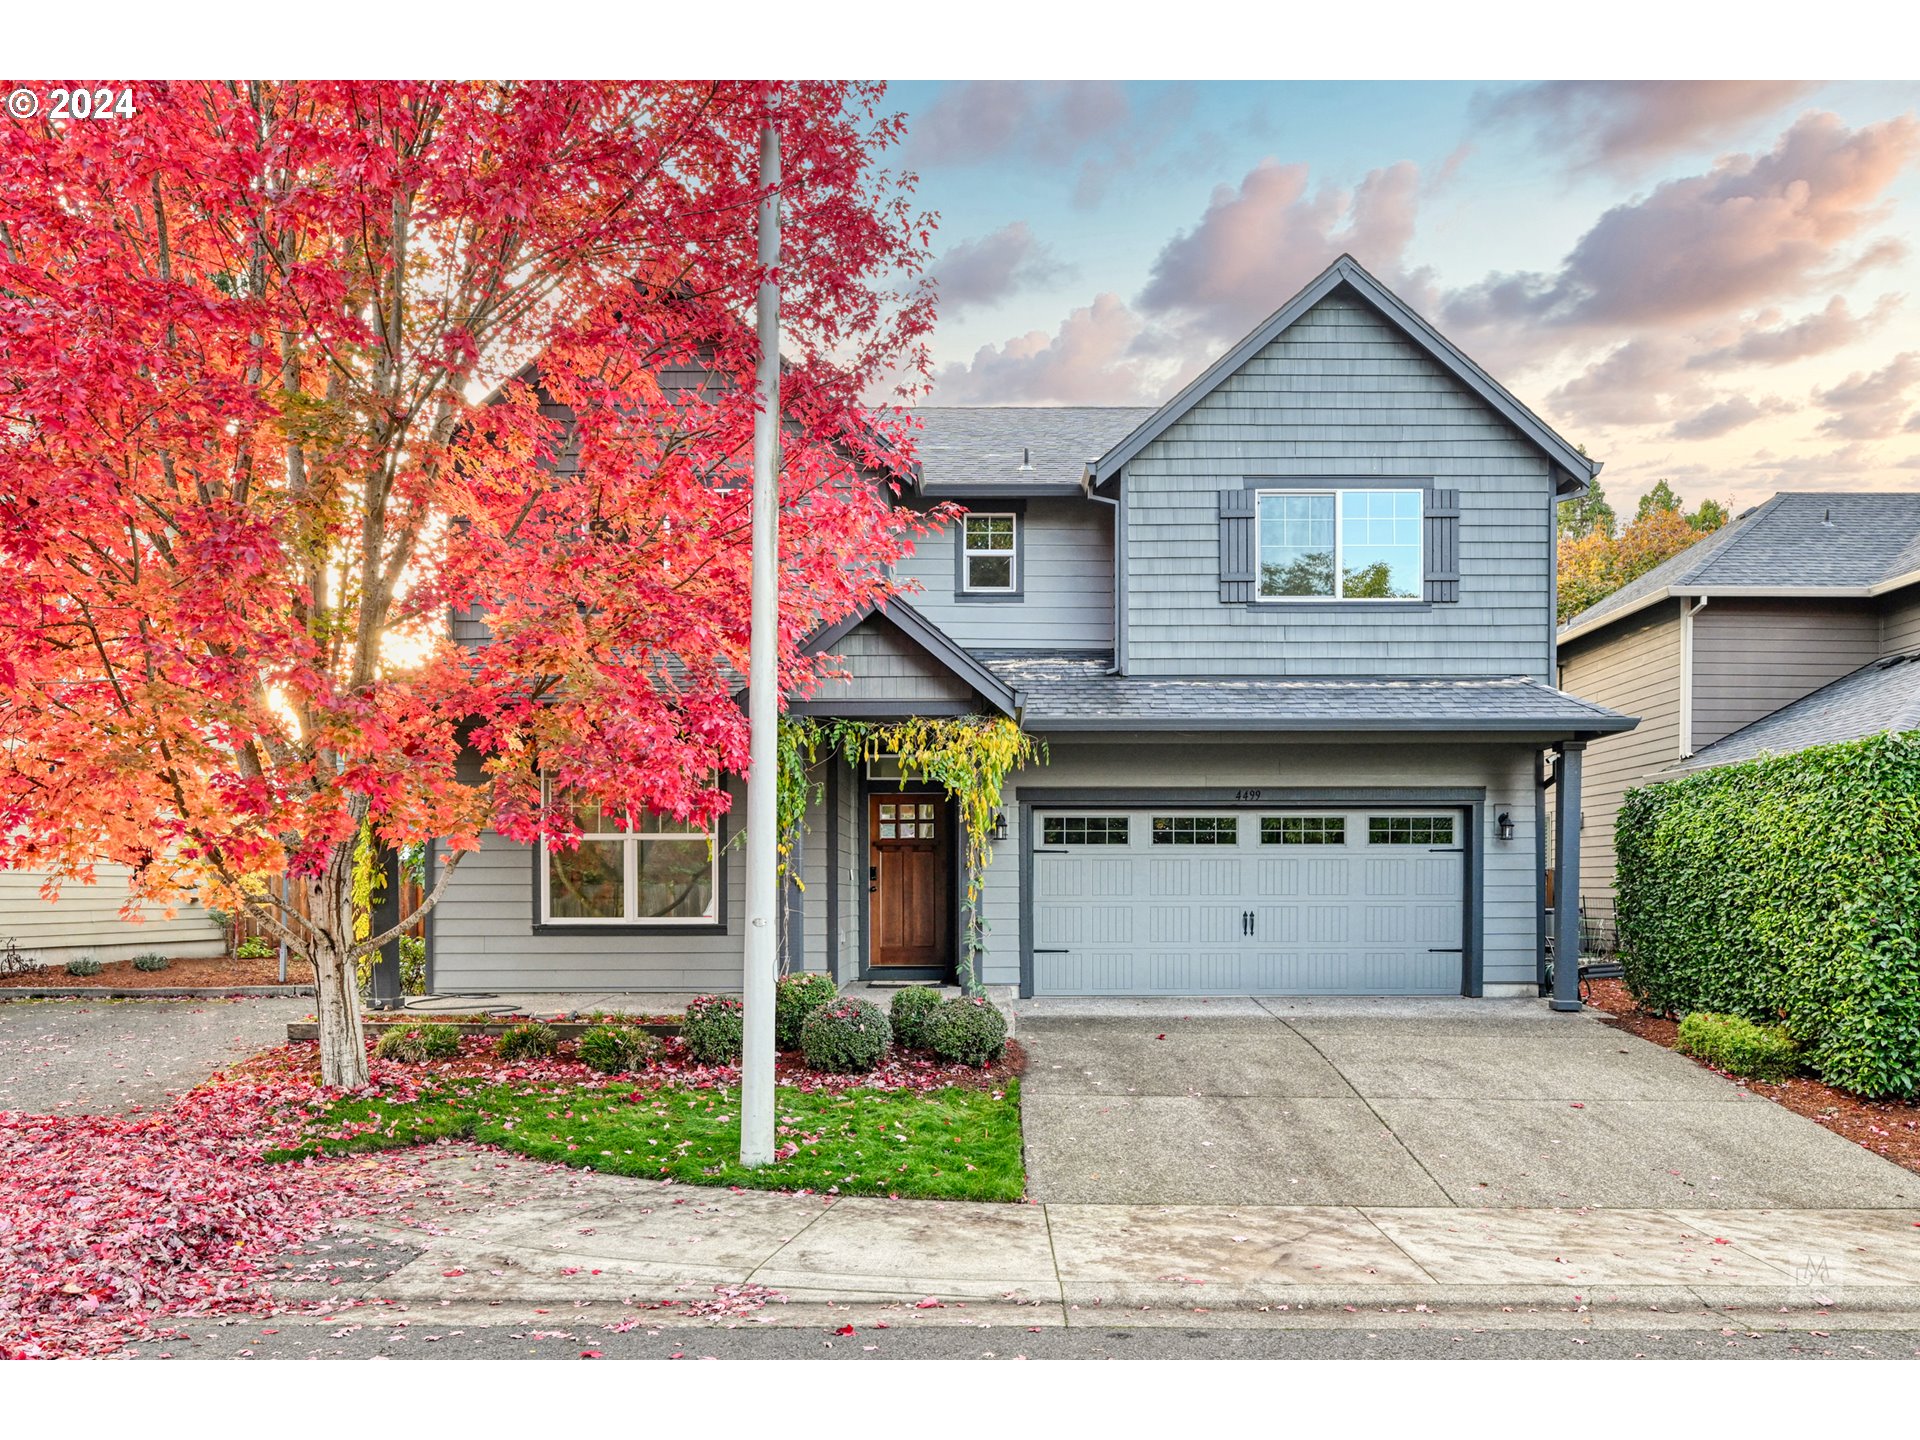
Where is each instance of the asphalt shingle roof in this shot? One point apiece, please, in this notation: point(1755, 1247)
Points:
point(1797, 540)
point(972, 449)
point(1068, 693)
point(1881, 696)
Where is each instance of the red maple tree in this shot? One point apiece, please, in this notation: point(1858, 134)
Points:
point(295, 369)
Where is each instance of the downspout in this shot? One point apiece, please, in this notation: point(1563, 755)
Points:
point(1118, 667)
point(1687, 612)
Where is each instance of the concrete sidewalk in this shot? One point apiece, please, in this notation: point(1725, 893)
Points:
point(512, 1241)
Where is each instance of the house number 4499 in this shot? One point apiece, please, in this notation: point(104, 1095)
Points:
point(1246, 794)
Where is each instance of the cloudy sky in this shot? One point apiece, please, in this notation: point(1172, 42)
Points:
point(1714, 282)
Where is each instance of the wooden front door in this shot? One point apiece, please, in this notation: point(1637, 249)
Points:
point(911, 891)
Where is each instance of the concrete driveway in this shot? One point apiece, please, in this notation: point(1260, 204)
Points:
point(1407, 1103)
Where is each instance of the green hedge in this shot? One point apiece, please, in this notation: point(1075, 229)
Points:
point(1786, 890)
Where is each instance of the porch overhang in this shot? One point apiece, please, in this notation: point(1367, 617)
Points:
point(971, 687)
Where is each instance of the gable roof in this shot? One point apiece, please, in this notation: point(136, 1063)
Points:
point(1574, 469)
point(1015, 449)
point(952, 657)
point(1881, 696)
point(1840, 544)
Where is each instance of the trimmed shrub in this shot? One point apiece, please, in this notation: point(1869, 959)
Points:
point(616, 1049)
point(150, 964)
point(85, 968)
point(1783, 890)
point(846, 1037)
point(911, 1010)
point(254, 947)
point(969, 1029)
point(535, 1040)
point(712, 1029)
point(417, 1044)
point(794, 999)
point(1737, 1045)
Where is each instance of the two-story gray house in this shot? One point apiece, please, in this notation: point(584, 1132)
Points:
point(1796, 624)
point(1289, 639)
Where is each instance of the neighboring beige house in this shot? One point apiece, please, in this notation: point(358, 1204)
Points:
point(1788, 628)
point(85, 921)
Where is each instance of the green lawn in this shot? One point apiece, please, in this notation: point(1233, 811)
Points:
point(952, 1144)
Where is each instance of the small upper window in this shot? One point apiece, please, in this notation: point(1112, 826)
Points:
point(1339, 544)
point(1409, 830)
point(988, 553)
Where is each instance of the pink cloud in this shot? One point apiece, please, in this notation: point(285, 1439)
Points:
point(1868, 406)
point(1754, 230)
point(1258, 243)
point(1091, 360)
point(1770, 343)
point(1623, 124)
point(1726, 416)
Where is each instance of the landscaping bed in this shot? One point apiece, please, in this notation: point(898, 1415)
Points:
point(379, 1022)
point(209, 973)
point(1889, 1128)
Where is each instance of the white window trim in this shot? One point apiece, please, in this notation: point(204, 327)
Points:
point(631, 841)
point(1339, 546)
point(1012, 554)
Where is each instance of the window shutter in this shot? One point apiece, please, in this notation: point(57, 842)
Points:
point(1443, 546)
point(1236, 547)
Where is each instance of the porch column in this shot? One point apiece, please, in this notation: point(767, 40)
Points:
point(383, 988)
point(1566, 876)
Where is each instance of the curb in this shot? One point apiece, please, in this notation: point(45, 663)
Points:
point(156, 992)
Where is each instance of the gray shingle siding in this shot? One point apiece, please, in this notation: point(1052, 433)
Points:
point(886, 666)
point(1067, 572)
point(1340, 394)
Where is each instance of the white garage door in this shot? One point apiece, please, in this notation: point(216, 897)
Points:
point(1189, 902)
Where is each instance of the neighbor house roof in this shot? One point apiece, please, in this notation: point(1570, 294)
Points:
point(1572, 469)
point(1881, 696)
point(1856, 544)
point(1068, 693)
point(1015, 449)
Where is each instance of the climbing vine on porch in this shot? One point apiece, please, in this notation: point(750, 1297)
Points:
point(971, 756)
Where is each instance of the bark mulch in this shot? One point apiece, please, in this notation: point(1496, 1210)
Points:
point(212, 972)
point(1889, 1128)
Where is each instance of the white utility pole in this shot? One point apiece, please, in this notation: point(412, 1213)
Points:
point(763, 694)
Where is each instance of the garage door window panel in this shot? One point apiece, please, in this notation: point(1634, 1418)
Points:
point(1410, 830)
point(1303, 830)
point(1084, 830)
point(1196, 830)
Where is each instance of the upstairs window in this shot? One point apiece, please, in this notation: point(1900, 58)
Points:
point(989, 552)
point(1339, 544)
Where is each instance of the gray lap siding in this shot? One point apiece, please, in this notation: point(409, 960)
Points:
point(1340, 394)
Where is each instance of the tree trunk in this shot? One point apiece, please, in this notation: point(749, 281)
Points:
point(343, 1041)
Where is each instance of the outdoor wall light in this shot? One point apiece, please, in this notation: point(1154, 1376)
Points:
point(999, 824)
point(1505, 823)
